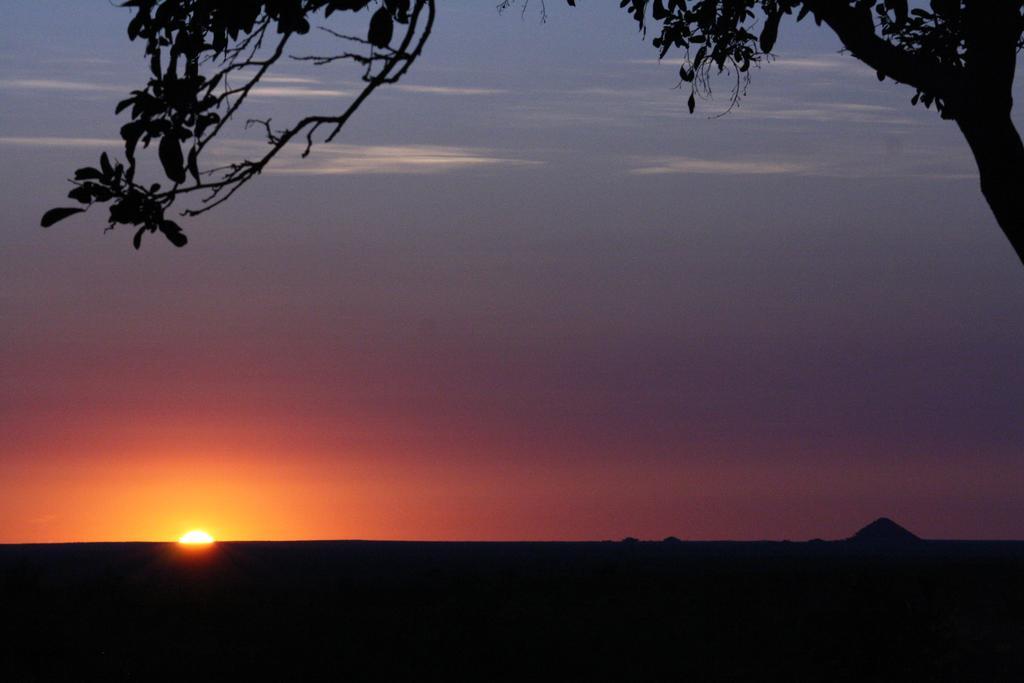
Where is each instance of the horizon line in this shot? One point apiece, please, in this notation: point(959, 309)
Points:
point(626, 541)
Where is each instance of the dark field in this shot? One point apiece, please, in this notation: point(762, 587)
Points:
point(513, 611)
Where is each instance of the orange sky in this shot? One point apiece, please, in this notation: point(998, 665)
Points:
point(246, 482)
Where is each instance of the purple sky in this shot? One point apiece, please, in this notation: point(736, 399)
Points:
point(526, 296)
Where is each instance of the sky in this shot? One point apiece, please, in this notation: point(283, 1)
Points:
point(526, 296)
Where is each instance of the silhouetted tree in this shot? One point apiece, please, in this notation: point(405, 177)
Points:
point(206, 56)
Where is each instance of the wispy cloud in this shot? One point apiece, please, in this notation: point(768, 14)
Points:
point(849, 112)
point(269, 86)
point(671, 61)
point(824, 62)
point(692, 165)
point(50, 84)
point(851, 164)
point(292, 91)
point(330, 159)
point(818, 63)
point(448, 90)
point(277, 86)
point(59, 142)
point(372, 159)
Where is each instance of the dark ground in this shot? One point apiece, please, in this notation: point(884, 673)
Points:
point(513, 611)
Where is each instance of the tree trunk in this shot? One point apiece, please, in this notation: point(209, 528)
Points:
point(999, 152)
point(992, 31)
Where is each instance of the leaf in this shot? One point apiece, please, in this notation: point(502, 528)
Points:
point(172, 231)
point(770, 32)
point(130, 133)
point(154, 63)
point(699, 57)
point(382, 27)
point(171, 158)
point(193, 163)
point(124, 104)
point(59, 214)
point(691, 103)
point(133, 27)
point(137, 239)
point(82, 193)
point(108, 170)
point(88, 173)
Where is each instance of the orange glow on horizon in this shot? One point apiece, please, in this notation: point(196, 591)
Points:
point(300, 479)
point(196, 537)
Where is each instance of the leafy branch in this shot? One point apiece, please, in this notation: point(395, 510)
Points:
point(196, 48)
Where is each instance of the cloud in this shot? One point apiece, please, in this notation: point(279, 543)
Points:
point(448, 90)
point(372, 159)
point(49, 84)
point(818, 63)
point(849, 112)
point(290, 86)
point(671, 61)
point(330, 159)
point(823, 62)
point(850, 163)
point(60, 142)
point(290, 91)
point(691, 165)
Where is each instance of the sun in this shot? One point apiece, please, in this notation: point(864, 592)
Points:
point(196, 537)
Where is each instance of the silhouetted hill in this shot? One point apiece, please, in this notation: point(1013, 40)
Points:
point(884, 530)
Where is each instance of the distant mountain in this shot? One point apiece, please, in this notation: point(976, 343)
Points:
point(884, 530)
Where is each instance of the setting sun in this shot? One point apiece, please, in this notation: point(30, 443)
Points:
point(196, 537)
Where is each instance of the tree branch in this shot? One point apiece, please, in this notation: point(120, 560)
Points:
point(856, 30)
